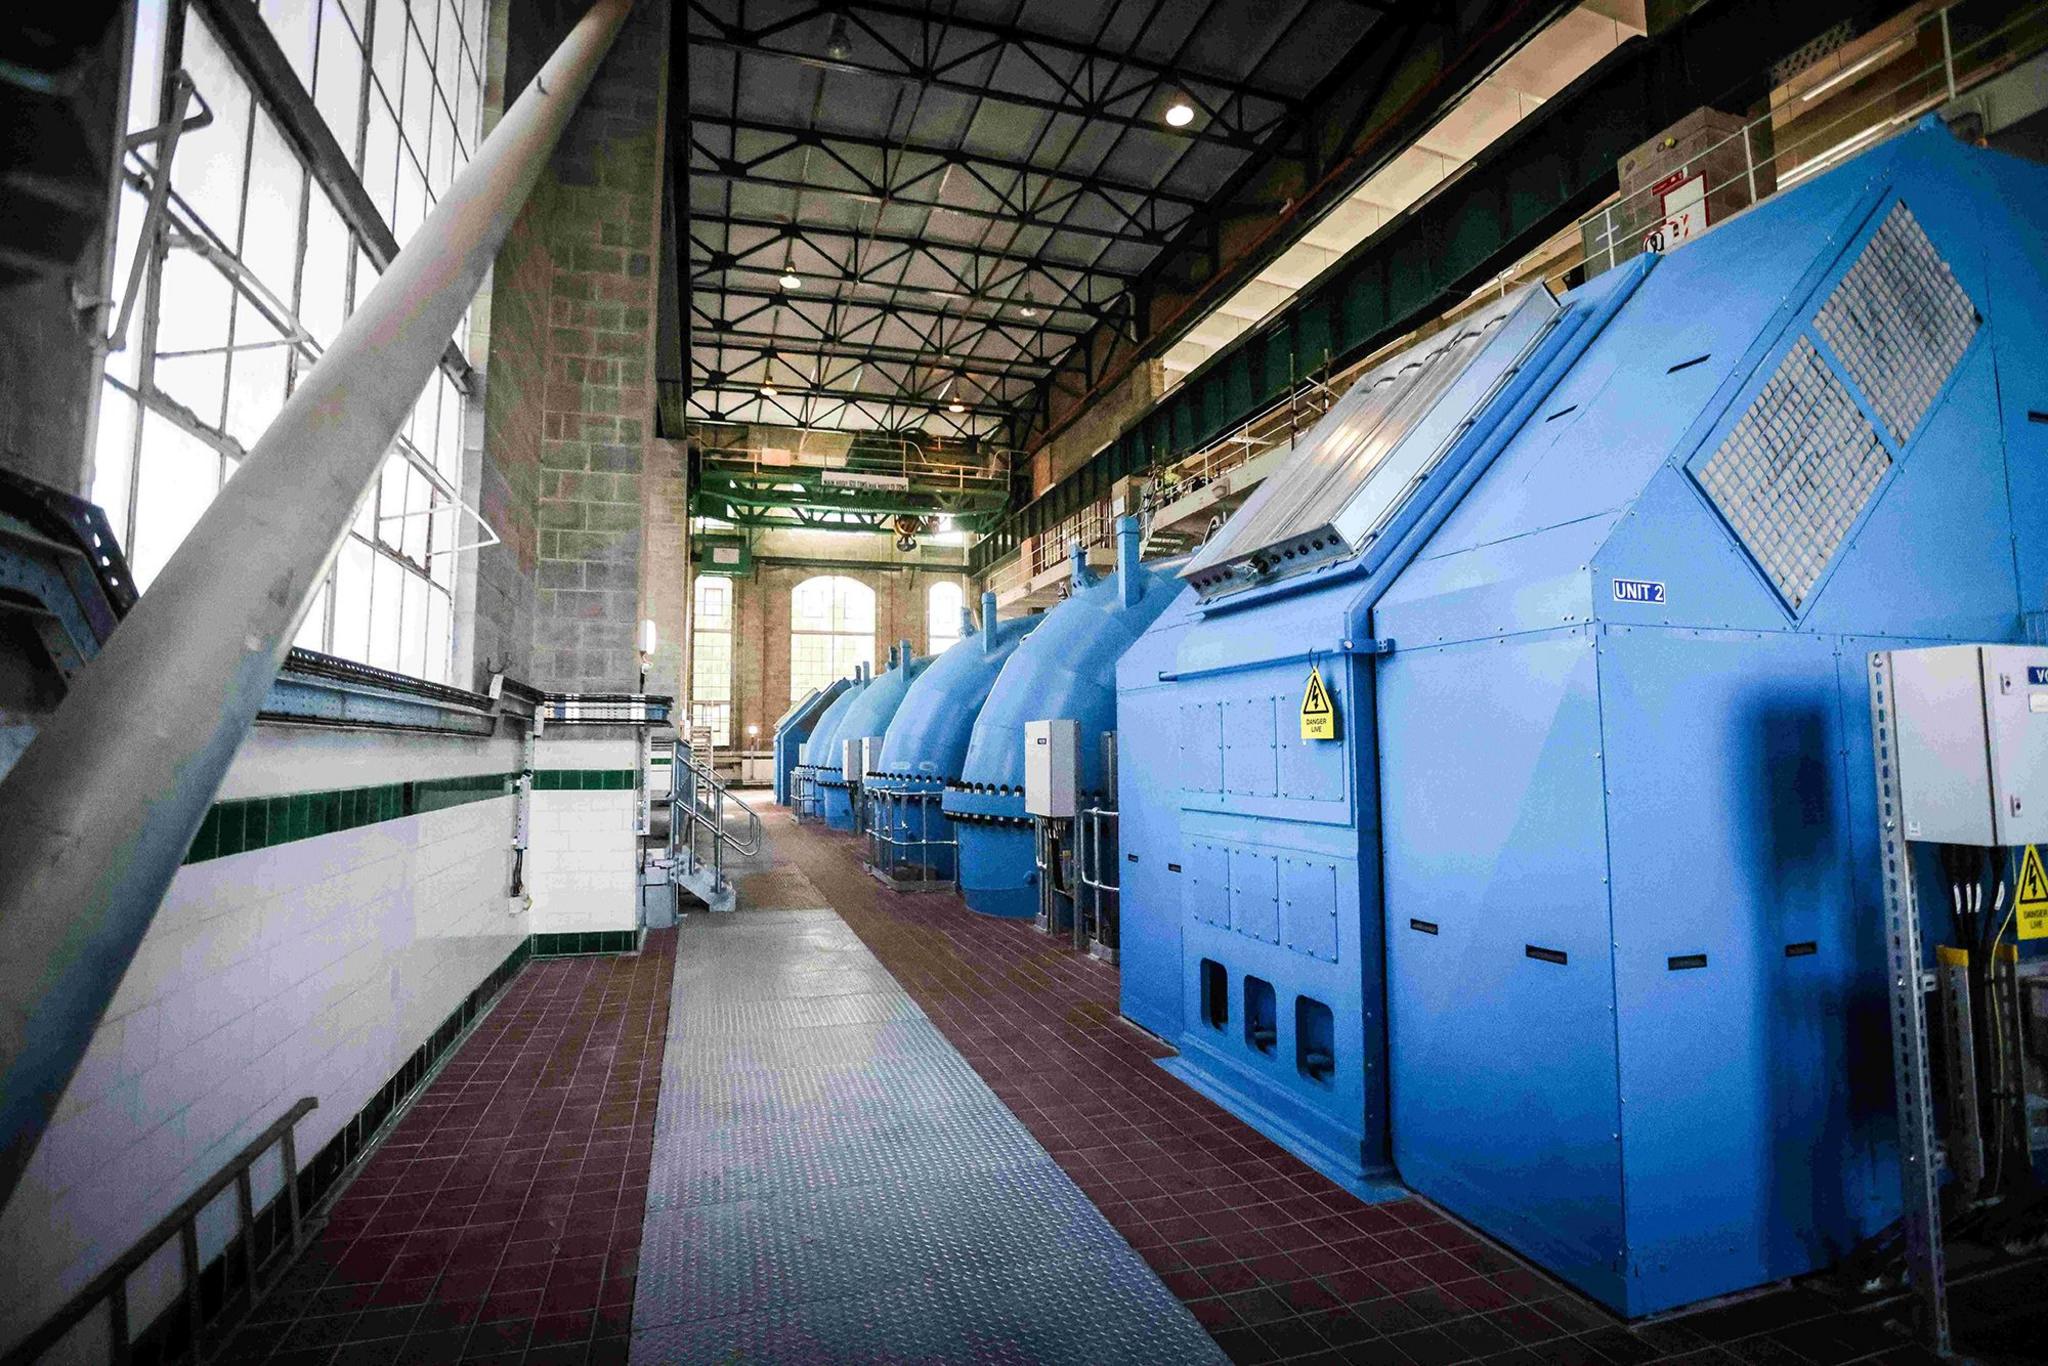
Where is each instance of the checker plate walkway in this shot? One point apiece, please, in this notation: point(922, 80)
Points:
point(833, 1182)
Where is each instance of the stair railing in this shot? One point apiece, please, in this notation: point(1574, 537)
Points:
point(699, 828)
point(110, 1287)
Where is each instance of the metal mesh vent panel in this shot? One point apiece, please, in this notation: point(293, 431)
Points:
point(1899, 322)
point(1795, 473)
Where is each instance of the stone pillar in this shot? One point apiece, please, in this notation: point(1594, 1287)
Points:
point(571, 393)
point(665, 564)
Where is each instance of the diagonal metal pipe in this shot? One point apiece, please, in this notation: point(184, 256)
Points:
point(100, 809)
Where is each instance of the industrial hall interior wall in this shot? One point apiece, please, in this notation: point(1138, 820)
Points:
point(345, 902)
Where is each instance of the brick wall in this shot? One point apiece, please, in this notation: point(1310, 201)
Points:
point(761, 631)
point(571, 389)
point(665, 562)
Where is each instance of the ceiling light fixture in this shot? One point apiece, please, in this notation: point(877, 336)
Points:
point(956, 406)
point(1180, 114)
point(790, 279)
point(1852, 71)
point(767, 391)
point(838, 46)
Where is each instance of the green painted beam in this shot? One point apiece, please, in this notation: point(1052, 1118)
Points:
point(766, 490)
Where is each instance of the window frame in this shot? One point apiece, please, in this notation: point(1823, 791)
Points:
point(706, 692)
point(934, 614)
point(858, 643)
point(411, 515)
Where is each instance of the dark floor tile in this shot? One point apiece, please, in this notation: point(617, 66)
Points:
point(452, 1241)
point(1243, 1346)
point(1428, 1347)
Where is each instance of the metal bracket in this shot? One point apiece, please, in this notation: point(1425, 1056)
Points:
point(164, 136)
point(1919, 1176)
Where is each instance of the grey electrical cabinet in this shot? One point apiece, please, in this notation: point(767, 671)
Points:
point(1052, 767)
point(1972, 728)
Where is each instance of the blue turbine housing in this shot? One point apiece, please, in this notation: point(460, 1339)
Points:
point(926, 746)
point(1065, 668)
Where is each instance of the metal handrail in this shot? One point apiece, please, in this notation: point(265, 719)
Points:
point(1095, 875)
point(111, 1285)
point(893, 846)
point(698, 802)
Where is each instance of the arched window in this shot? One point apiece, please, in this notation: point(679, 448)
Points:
point(831, 629)
point(711, 658)
point(942, 615)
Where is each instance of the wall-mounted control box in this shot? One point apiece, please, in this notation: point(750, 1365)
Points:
point(1052, 767)
point(1972, 728)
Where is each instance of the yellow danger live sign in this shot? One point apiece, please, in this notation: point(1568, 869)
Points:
point(1318, 713)
point(2030, 905)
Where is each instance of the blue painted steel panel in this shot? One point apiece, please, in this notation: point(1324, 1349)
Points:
point(794, 727)
point(1147, 722)
point(1295, 821)
point(1608, 815)
point(1744, 1090)
point(1501, 1062)
point(1718, 1062)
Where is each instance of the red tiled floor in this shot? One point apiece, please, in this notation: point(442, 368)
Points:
point(500, 1218)
point(1277, 1261)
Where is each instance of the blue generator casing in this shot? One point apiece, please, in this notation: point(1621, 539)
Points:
point(1635, 976)
point(926, 747)
point(794, 727)
point(1066, 668)
point(1251, 909)
point(867, 718)
point(819, 756)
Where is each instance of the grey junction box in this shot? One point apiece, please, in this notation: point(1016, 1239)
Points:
point(1972, 727)
point(1052, 758)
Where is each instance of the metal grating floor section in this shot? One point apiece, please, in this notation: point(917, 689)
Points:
point(833, 1182)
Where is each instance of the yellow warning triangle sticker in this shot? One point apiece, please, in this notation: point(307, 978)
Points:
point(2030, 903)
point(1318, 714)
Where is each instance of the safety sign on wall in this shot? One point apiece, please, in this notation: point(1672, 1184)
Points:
point(1685, 212)
point(2030, 904)
point(1318, 712)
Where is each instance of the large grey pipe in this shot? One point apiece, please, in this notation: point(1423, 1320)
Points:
point(103, 804)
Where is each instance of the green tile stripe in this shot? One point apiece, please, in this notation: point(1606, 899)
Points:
point(246, 825)
point(583, 779)
point(585, 941)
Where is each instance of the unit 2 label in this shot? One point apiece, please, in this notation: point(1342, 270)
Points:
point(1648, 591)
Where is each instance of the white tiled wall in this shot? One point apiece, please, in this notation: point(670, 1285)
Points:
point(310, 968)
point(582, 857)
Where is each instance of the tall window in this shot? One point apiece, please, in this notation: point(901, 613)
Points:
point(711, 659)
point(831, 629)
point(252, 270)
point(942, 615)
